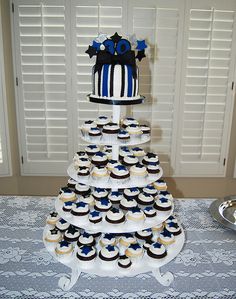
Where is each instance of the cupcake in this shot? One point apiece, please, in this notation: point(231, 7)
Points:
point(129, 121)
point(147, 244)
point(115, 197)
point(146, 130)
point(64, 250)
point(166, 237)
point(138, 171)
point(123, 136)
point(67, 195)
point(53, 236)
point(138, 152)
point(108, 151)
point(162, 204)
point(112, 163)
point(135, 215)
point(124, 262)
point(153, 168)
point(109, 255)
point(80, 209)
point(95, 217)
point(71, 184)
point(62, 225)
point(107, 239)
point(80, 154)
point(88, 199)
point(102, 205)
point(144, 235)
point(131, 193)
point(150, 158)
point(130, 160)
point(171, 219)
point(149, 212)
point(157, 228)
point(72, 234)
point(145, 199)
point(110, 131)
point(102, 121)
point(156, 251)
point(127, 204)
point(86, 255)
point(173, 228)
point(134, 132)
point(160, 185)
point(83, 173)
point(52, 218)
point(115, 216)
point(94, 234)
point(120, 173)
point(99, 159)
point(165, 194)
point(134, 251)
point(86, 239)
point(82, 162)
point(127, 239)
point(100, 173)
point(88, 124)
point(82, 189)
point(150, 189)
point(94, 134)
point(99, 193)
point(63, 189)
point(124, 151)
point(92, 149)
point(67, 206)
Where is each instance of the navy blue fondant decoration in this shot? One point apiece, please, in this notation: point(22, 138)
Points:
point(135, 246)
point(163, 199)
point(166, 233)
point(86, 249)
point(157, 245)
point(110, 248)
point(173, 224)
point(64, 243)
point(117, 51)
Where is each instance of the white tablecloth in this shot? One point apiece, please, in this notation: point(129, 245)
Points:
point(206, 267)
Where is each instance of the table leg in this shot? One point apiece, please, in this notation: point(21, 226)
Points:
point(165, 279)
point(66, 282)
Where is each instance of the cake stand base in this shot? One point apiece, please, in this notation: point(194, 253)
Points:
point(165, 279)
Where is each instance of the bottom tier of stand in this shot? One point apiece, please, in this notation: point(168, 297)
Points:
point(139, 265)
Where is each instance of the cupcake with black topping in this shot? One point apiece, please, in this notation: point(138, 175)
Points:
point(124, 262)
point(64, 250)
point(67, 206)
point(72, 234)
point(108, 256)
point(62, 225)
point(52, 237)
point(52, 218)
point(173, 228)
point(150, 158)
point(86, 256)
point(95, 217)
point(102, 205)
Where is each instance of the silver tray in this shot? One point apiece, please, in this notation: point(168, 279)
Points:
point(224, 211)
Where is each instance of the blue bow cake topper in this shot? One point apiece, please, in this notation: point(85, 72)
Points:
point(116, 50)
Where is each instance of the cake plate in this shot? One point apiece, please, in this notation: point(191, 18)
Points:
point(141, 265)
point(110, 101)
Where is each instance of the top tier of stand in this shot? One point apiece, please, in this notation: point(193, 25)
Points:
point(100, 100)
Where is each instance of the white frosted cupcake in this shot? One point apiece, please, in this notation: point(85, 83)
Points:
point(107, 239)
point(138, 152)
point(156, 251)
point(52, 237)
point(80, 154)
point(88, 199)
point(67, 206)
point(166, 237)
point(102, 121)
point(153, 169)
point(102, 205)
point(110, 132)
point(52, 218)
point(124, 151)
point(150, 158)
point(86, 239)
point(108, 151)
point(95, 217)
point(123, 136)
point(127, 239)
point(145, 199)
point(100, 173)
point(94, 134)
point(165, 194)
point(131, 193)
point(82, 162)
point(172, 218)
point(72, 234)
point(67, 195)
point(88, 124)
point(62, 225)
point(174, 228)
point(127, 203)
point(144, 235)
point(99, 159)
point(129, 121)
point(115, 197)
point(163, 204)
point(150, 189)
point(115, 216)
point(64, 250)
point(120, 174)
point(134, 252)
point(82, 189)
point(146, 130)
point(134, 132)
point(112, 163)
point(108, 256)
point(149, 212)
point(92, 149)
point(81, 210)
point(86, 256)
point(99, 193)
point(83, 173)
point(130, 160)
point(71, 184)
point(138, 171)
point(135, 215)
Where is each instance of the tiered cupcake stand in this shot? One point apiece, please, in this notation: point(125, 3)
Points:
point(143, 264)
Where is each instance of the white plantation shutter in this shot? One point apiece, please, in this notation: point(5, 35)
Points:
point(5, 160)
point(206, 101)
point(42, 40)
point(91, 18)
point(160, 23)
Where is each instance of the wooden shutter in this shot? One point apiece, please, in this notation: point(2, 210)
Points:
point(160, 23)
point(206, 101)
point(42, 40)
point(5, 159)
point(89, 19)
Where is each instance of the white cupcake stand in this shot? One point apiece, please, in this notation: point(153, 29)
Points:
point(140, 265)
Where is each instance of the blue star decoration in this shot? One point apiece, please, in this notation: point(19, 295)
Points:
point(62, 221)
point(92, 146)
point(125, 148)
point(150, 187)
point(134, 246)
point(102, 117)
point(116, 193)
point(147, 195)
point(68, 203)
point(134, 189)
point(136, 149)
point(108, 236)
point(135, 210)
point(83, 159)
point(88, 122)
point(151, 155)
point(53, 214)
point(94, 213)
point(164, 193)
point(141, 45)
point(120, 167)
point(86, 235)
point(133, 126)
point(148, 209)
point(81, 204)
point(100, 190)
point(156, 245)
point(171, 218)
point(96, 45)
point(64, 243)
point(163, 200)
point(86, 249)
point(100, 154)
point(139, 165)
point(152, 163)
point(173, 224)
point(166, 233)
point(81, 153)
point(110, 248)
point(104, 201)
point(115, 210)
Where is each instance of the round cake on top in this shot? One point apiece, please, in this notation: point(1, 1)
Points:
point(115, 73)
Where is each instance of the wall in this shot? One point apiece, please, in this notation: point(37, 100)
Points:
point(23, 185)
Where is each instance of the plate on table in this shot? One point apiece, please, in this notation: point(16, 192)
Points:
point(224, 211)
